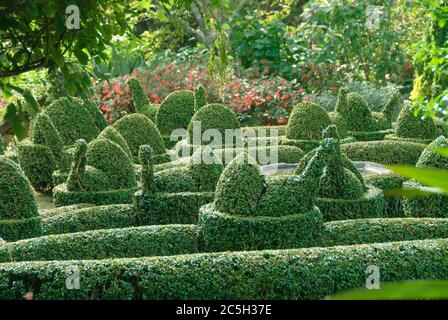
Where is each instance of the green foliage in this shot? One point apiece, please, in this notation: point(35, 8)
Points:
point(341, 102)
point(205, 169)
point(384, 152)
point(430, 158)
point(175, 111)
point(306, 122)
point(357, 115)
point(415, 127)
point(19, 217)
point(113, 135)
point(388, 182)
point(45, 133)
point(200, 97)
point(379, 230)
point(230, 232)
point(174, 180)
point(391, 107)
point(213, 116)
point(143, 241)
point(138, 130)
point(269, 274)
point(72, 120)
point(91, 218)
point(96, 114)
point(239, 187)
point(109, 157)
point(141, 101)
point(2, 146)
point(145, 155)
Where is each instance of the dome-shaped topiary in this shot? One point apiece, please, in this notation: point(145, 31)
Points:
point(415, 127)
point(111, 159)
point(138, 130)
point(430, 158)
point(175, 111)
point(72, 120)
point(205, 168)
point(239, 186)
point(17, 199)
point(199, 97)
point(357, 114)
point(113, 135)
point(214, 116)
point(307, 121)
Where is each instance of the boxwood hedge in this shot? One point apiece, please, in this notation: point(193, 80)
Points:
point(393, 206)
point(200, 97)
point(129, 242)
point(113, 135)
point(175, 111)
point(311, 273)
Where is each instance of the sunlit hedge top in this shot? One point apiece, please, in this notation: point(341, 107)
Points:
point(418, 127)
point(307, 121)
point(430, 158)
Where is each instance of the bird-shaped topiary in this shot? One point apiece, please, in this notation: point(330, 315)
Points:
point(142, 104)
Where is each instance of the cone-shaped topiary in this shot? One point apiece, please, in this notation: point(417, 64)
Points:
point(307, 121)
point(239, 186)
point(205, 168)
point(147, 176)
point(391, 107)
point(141, 101)
point(72, 120)
point(357, 115)
point(199, 97)
point(410, 126)
point(138, 130)
point(46, 134)
point(19, 217)
point(430, 158)
point(113, 135)
point(213, 116)
point(341, 102)
point(110, 158)
point(175, 112)
point(96, 114)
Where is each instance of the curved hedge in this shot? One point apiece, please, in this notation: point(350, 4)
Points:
point(175, 111)
point(285, 153)
point(312, 273)
point(174, 180)
point(384, 152)
point(231, 232)
point(129, 242)
point(113, 135)
point(431, 159)
point(91, 218)
point(19, 217)
point(393, 206)
point(306, 122)
point(138, 130)
point(349, 232)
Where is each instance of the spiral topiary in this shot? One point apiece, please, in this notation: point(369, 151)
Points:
point(175, 112)
point(307, 121)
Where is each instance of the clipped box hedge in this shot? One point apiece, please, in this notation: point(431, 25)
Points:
point(369, 135)
point(170, 208)
point(91, 218)
point(63, 197)
point(393, 206)
point(311, 273)
point(370, 205)
point(142, 241)
point(378, 230)
point(231, 232)
point(385, 152)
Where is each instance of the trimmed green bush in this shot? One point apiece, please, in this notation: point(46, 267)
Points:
point(205, 168)
point(230, 232)
point(431, 159)
point(281, 130)
point(142, 104)
point(349, 232)
point(72, 120)
point(339, 121)
point(138, 130)
point(19, 217)
point(2, 146)
point(385, 152)
point(143, 241)
point(174, 180)
point(91, 218)
point(410, 126)
point(312, 273)
point(212, 116)
point(66, 209)
point(200, 99)
point(113, 135)
point(357, 115)
point(175, 111)
point(169, 208)
point(110, 158)
point(387, 182)
point(285, 154)
point(306, 122)
point(341, 102)
point(305, 145)
point(239, 186)
point(96, 114)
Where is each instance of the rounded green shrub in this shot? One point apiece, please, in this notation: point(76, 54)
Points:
point(19, 216)
point(174, 180)
point(137, 130)
point(410, 126)
point(111, 159)
point(199, 97)
point(46, 134)
point(175, 111)
point(306, 122)
point(213, 116)
point(72, 120)
point(430, 158)
point(357, 115)
point(239, 186)
point(205, 169)
point(113, 135)
point(96, 114)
